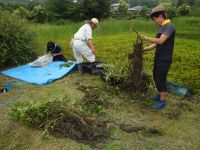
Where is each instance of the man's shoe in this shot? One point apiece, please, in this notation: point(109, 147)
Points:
point(156, 98)
point(159, 105)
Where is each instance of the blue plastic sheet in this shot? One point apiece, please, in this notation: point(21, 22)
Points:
point(40, 76)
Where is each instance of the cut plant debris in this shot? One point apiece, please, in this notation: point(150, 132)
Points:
point(55, 119)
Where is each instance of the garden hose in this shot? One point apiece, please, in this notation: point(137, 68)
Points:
point(8, 87)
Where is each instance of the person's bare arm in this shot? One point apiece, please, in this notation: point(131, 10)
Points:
point(91, 46)
point(150, 47)
point(160, 40)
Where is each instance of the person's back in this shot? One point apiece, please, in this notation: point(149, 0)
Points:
point(84, 33)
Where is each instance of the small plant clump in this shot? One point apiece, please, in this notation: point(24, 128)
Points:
point(67, 64)
point(113, 74)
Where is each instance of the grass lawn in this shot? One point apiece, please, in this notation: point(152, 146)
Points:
point(179, 122)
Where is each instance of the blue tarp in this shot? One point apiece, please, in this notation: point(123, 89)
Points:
point(38, 75)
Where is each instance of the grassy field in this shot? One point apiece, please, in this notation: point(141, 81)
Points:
point(116, 38)
point(179, 122)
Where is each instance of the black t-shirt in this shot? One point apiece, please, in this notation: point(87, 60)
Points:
point(165, 51)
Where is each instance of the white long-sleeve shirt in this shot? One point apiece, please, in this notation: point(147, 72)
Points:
point(84, 33)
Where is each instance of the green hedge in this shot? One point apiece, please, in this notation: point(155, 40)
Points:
point(16, 41)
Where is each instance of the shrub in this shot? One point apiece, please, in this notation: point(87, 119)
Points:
point(39, 14)
point(22, 12)
point(184, 10)
point(113, 74)
point(171, 12)
point(16, 41)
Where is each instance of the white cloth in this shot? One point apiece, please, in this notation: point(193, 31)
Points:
point(80, 47)
point(42, 61)
point(84, 33)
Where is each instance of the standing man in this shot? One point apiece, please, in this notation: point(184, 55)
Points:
point(83, 44)
point(164, 44)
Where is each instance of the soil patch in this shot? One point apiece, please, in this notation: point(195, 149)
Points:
point(142, 130)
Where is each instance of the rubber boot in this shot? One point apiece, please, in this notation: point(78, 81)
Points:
point(80, 68)
point(94, 68)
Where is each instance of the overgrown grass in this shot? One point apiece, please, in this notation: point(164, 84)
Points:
point(115, 38)
point(113, 27)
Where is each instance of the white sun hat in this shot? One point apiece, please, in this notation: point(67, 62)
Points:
point(94, 21)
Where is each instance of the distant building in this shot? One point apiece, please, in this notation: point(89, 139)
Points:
point(114, 7)
point(135, 9)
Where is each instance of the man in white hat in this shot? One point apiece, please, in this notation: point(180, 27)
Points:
point(83, 45)
point(164, 44)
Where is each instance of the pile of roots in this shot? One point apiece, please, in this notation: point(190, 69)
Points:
point(137, 81)
point(64, 122)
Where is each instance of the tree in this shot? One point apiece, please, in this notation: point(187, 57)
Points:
point(94, 8)
point(31, 4)
point(76, 12)
point(1, 5)
point(22, 12)
point(191, 2)
point(179, 3)
point(39, 14)
point(58, 7)
point(197, 3)
point(9, 7)
point(123, 9)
